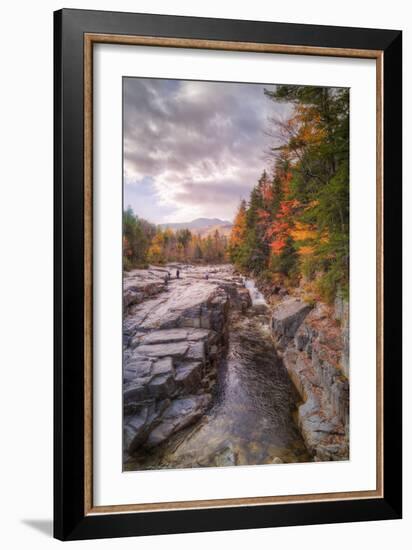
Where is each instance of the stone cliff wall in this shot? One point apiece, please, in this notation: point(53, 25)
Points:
point(314, 344)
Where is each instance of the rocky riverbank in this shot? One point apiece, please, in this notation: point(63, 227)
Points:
point(212, 377)
point(175, 334)
point(314, 344)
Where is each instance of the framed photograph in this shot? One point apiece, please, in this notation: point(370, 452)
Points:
point(227, 274)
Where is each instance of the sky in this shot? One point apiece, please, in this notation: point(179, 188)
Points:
point(192, 148)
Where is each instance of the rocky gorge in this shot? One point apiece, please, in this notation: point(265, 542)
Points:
point(213, 376)
point(312, 342)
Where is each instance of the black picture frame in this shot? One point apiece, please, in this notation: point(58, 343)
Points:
point(70, 520)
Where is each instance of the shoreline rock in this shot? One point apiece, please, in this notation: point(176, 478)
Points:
point(174, 337)
point(312, 345)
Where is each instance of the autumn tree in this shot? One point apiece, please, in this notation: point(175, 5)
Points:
point(317, 139)
point(137, 236)
point(297, 221)
point(237, 239)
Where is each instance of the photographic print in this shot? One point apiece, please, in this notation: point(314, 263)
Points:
point(235, 274)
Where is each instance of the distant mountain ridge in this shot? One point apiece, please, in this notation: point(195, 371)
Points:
point(198, 223)
point(202, 226)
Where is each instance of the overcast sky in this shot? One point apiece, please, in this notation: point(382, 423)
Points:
point(193, 149)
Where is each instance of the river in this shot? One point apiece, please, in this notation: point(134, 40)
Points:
point(251, 420)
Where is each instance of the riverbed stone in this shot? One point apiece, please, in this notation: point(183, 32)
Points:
point(136, 391)
point(140, 368)
point(189, 377)
point(135, 431)
point(196, 351)
point(165, 336)
point(161, 386)
point(225, 455)
point(138, 426)
point(164, 365)
point(177, 349)
point(180, 414)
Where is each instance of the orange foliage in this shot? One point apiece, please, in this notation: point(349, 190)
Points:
point(283, 225)
point(239, 227)
point(303, 231)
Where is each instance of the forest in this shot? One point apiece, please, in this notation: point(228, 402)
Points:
point(296, 221)
point(145, 243)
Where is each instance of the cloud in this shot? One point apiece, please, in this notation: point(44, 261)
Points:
point(199, 146)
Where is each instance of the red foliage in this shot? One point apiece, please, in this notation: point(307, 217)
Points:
point(267, 192)
point(281, 228)
point(277, 246)
point(263, 215)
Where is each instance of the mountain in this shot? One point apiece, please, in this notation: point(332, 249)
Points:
point(197, 224)
point(202, 226)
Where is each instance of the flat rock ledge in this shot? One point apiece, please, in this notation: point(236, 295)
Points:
point(312, 344)
point(140, 284)
point(168, 380)
point(174, 336)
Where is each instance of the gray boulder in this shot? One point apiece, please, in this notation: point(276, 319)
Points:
point(177, 349)
point(162, 385)
point(180, 414)
point(138, 426)
point(189, 377)
point(287, 318)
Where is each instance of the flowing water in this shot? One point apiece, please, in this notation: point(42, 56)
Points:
point(251, 421)
point(256, 296)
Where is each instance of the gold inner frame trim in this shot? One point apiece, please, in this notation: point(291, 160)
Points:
point(89, 40)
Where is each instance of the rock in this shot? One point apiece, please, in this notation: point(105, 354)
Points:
point(137, 427)
point(299, 370)
point(163, 366)
point(180, 414)
point(131, 297)
point(345, 354)
point(187, 405)
point(136, 391)
point(303, 338)
point(239, 296)
point(165, 336)
point(162, 385)
point(172, 336)
point(139, 285)
point(333, 451)
point(137, 368)
point(196, 351)
point(286, 319)
point(176, 349)
point(135, 431)
point(313, 359)
point(341, 311)
point(189, 377)
point(202, 334)
point(339, 400)
point(326, 372)
point(225, 456)
point(277, 460)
